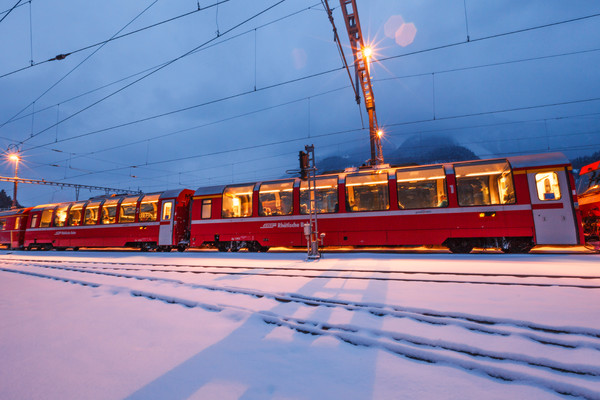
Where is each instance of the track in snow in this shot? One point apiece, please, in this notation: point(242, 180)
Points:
point(549, 373)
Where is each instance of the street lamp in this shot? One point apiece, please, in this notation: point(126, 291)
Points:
point(14, 157)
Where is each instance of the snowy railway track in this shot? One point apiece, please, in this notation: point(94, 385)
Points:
point(550, 373)
point(336, 273)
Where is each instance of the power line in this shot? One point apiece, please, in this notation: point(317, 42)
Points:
point(162, 64)
point(78, 65)
point(9, 11)
point(62, 56)
point(300, 79)
point(491, 37)
point(154, 71)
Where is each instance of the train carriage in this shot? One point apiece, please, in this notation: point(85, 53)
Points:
point(12, 227)
point(588, 191)
point(512, 203)
point(145, 221)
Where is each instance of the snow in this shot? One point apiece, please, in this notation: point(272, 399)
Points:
point(207, 325)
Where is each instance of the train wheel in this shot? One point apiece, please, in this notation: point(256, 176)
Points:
point(460, 246)
point(516, 245)
point(181, 248)
point(235, 246)
point(222, 247)
point(254, 246)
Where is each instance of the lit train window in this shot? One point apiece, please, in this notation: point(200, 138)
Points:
point(149, 208)
point(547, 186)
point(167, 210)
point(275, 198)
point(237, 201)
point(206, 209)
point(46, 218)
point(127, 210)
point(2, 224)
point(91, 213)
point(34, 221)
point(109, 211)
point(17, 223)
point(74, 218)
point(60, 218)
point(367, 192)
point(326, 192)
point(484, 183)
point(421, 187)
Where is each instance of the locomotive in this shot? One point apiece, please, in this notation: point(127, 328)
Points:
point(588, 190)
point(512, 203)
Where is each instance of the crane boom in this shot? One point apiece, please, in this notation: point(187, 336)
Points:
point(363, 78)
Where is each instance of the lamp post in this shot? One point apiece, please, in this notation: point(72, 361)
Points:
point(14, 157)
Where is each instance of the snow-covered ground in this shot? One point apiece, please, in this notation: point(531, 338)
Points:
point(207, 325)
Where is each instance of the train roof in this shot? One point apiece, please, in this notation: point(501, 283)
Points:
point(538, 160)
point(14, 211)
point(208, 190)
point(590, 167)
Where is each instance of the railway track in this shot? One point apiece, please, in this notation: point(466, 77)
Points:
point(586, 282)
point(411, 333)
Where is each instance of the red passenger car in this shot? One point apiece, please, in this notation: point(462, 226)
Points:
point(512, 203)
point(12, 227)
point(588, 191)
point(149, 221)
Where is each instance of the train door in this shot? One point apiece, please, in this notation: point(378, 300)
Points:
point(165, 235)
point(552, 208)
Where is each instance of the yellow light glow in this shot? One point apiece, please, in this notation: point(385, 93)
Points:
point(14, 157)
point(379, 133)
point(367, 51)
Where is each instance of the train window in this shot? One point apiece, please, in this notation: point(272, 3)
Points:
point(34, 219)
point(60, 218)
point(17, 223)
point(275, 198)
point(421, 187)
point(547, 186)
point(589, 181)
point(91, 213)
point(149, 208)
point(127, 210)
point(326, 192)
point(2, 224)
point(206, 209)
point(367, 192)
point(109, 211)
point(75, 215)
point(237, 201)
point(167, 210)
point(484, 183)
point(46, 218)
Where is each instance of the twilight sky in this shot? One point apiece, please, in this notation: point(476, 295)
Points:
point(231, 92)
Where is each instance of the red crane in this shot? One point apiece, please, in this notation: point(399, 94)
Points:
point(361, 54)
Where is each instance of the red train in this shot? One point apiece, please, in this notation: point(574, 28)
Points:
point(588, 190)
point(511, 203)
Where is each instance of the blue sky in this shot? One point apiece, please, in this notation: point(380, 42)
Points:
point(502, 77)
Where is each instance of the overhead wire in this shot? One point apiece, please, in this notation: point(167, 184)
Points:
point(492, 36)
point(159, 65)
point(153, 71)
point(299, 79)
point(64, 55)
point(78, 65)
point(6, 13)
point(381, 59)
